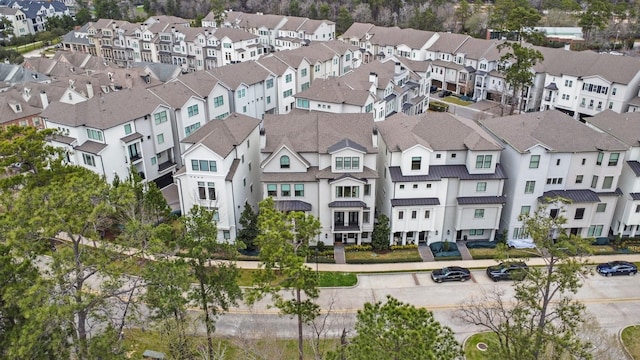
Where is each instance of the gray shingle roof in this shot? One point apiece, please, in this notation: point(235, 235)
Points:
point(174, 93)
point(576, 196)
point(552, 129)
point(347, 204)
point(131, 137)
point(481, 200)
point(436, 131)
point(333, 90)
point(232, 170)
point(91, 147)
point(221, 136)
point(438, 172)
point(247, 72)
point(415, 202)
point(625, 127)
point(309, 176)
point(292, 205)
point(346, 143)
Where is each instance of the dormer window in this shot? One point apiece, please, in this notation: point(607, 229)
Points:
point(347, 163)
point(284, 162)
point(416, 162)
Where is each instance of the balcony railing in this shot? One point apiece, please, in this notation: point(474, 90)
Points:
point(346, 227)
point(135, 158)
point(165, 165)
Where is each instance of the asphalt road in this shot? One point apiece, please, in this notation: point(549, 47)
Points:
point(613, 301)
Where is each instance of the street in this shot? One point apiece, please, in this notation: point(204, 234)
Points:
point(613, 301)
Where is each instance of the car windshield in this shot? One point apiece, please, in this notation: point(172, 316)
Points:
point(445, 270)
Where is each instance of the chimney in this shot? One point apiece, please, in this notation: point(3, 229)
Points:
point(373, 78)
point(44, 99)
point(89, 90)
point(397, 69)
point(263, 138)
point(374, 137)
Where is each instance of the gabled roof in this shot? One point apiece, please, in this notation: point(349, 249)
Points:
point(435, 131)
point(625, 127)
point(394, 36)
point(199, 81)
point(556, 130)
point(174, 93)
point(221, 136)
point(449, 42)
point(346, 144)
point(334, 90)
point(274, 64)
point(357, 30)
point(234, 75)
point(235, 35)
point(316, 132)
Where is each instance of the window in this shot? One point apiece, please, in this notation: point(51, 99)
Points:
point(241, 93)
point(601, 207)
point(594, 182)
point(193, 110)
point(367, 189)
point(285, 190)
point(88, 160)
point(415, 186)
point(154, 160)
point(415, 162)
point(524, 210)
point(303, 103)
point(427, 214)
point(347, 191)
point(287, 93)
point(473, 232)
point(160, 138)
point(191, 128)
point(534, 161)
point(529, 187)
point(298, 189)
point(479, 213)
point(613, 159)
point(218, 101)
point(347, 163)
point(366, 217)
point(284, 162)
point(400, 215)
point(579, 214)
point(160, 117)
point(94, 134)
point(638, 208)
point(481, 186)
point(438, 156)
point(579, 179)
point(127, 129)
point(600, 156)
point(272, 190)
point(595, 230)
point(226, 234)
point(287, 78)
point(483, 161)
point(203, 165)
point(268, 99)
point(608, 182)
point(317, 68)
point(401, 187)
point(303, 72)
point(553, 213)
point(207, 192)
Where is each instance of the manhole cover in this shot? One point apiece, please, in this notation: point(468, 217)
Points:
point(482, 346)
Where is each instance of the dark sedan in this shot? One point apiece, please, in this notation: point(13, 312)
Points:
point(617, 268)
point(451, 273)
point(508, 271)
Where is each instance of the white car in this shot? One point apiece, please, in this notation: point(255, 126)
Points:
point(521, 244)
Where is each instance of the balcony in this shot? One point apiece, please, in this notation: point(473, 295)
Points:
point(135, 158)
point(166, 165)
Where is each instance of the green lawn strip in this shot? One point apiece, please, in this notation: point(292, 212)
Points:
point(487, 253)
point(137, 341)
point(471, 351)
point(370, 257)
point(456, 100)
point(631, 340)
point(327, 278)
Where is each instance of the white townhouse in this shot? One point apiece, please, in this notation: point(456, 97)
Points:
point(583, 84)
point(625, 127)
point(234, 46)
point(110, 133)
point(442, 181)
point(299, 63)
point(20, 25)
point(265, 26)
point(285, 82)
point(379, 87)
point(252, 88)
point(379, 42)
point(306, 30)
point(189, 110)
point(323, 164)
point(221, 170)
point(549, 155)
point(213, 91)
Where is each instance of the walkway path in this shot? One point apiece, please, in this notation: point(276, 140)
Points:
point(425, 253)
point(338, 254)
point(464, 251)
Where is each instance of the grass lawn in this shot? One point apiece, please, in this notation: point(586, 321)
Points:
point(456, 100)
point(471, 352)
point(327, 278)
point(631, 340)
point(137, 341)
point(370, 257)
point(483, 253)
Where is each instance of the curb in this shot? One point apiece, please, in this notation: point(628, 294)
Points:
point(626, 351)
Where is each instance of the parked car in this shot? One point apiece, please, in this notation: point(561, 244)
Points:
point(508, 271)
point(451, 273)
point(445, 93)
point(617, 268)
point(433, 89)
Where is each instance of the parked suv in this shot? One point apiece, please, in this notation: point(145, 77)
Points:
point(508, 271)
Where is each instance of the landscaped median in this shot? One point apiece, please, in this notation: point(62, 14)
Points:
point(364, 254)
point(630, 337)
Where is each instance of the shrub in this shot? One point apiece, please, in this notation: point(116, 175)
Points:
point(438, 106)
point(404, 247)
point(358, 248)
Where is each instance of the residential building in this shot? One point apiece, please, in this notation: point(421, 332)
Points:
point(285, 82)
point(547, 156)
point(442, 179)
point(325, 165)
point(18, 21)
point(222, 170)
point(624, 127)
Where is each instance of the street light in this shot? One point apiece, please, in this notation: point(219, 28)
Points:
point(316, 260)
